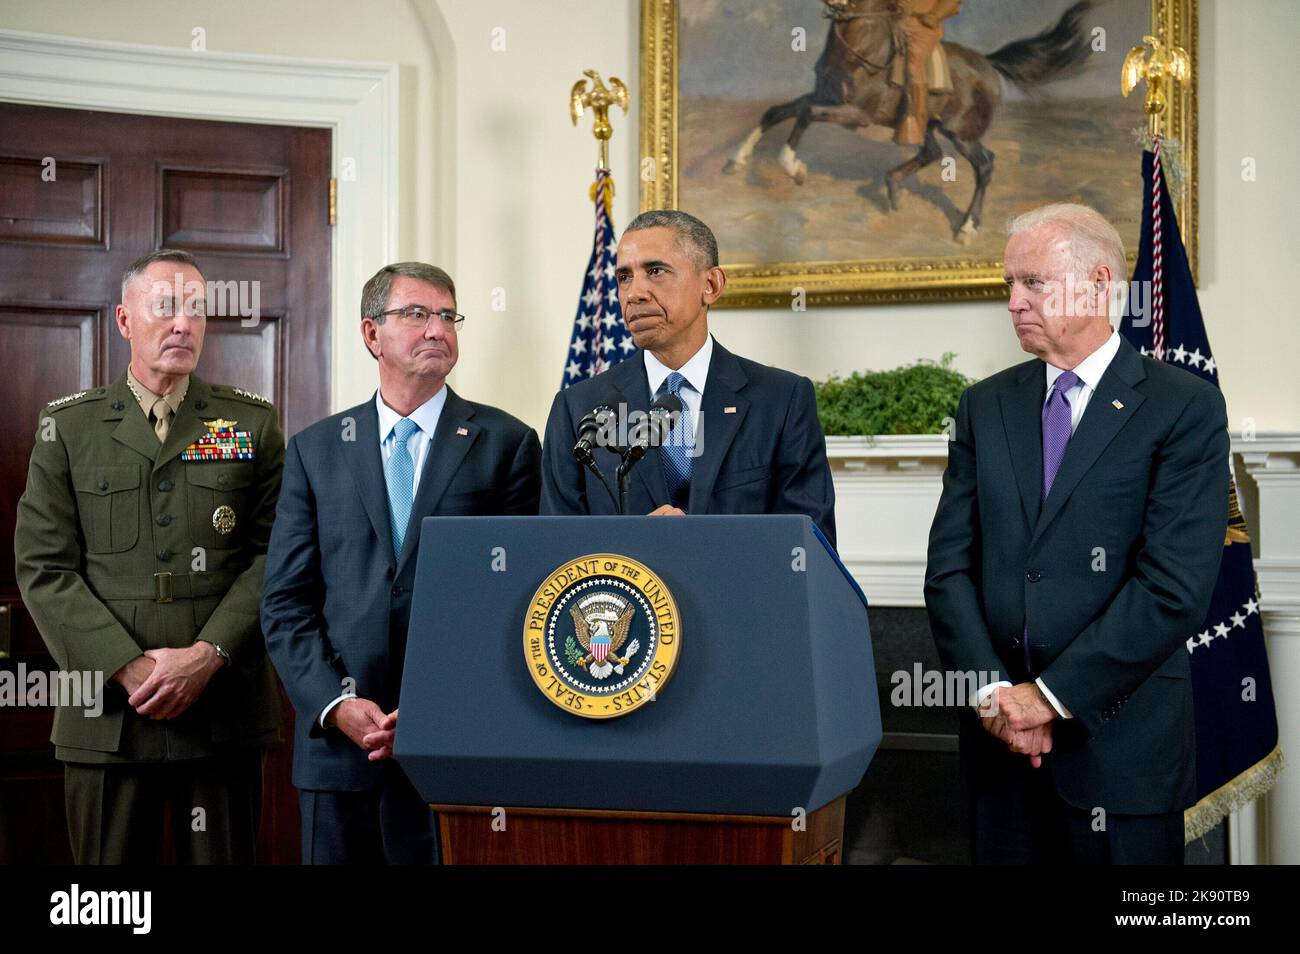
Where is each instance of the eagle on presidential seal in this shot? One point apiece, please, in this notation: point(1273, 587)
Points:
point(601, 622)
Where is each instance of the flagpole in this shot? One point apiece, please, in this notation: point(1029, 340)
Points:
point(598, 98)
point(1164, 68)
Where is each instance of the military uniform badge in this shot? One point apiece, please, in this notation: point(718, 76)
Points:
point(67, 398)
point(249, 394)
point(602, 636)
point(221, 442)
point(223, 520)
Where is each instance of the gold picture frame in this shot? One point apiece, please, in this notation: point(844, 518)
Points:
point(950, 278)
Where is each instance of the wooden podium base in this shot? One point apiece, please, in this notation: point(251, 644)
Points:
point(473, 835)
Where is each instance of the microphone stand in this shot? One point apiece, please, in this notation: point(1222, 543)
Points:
point(619, 501)
point(624, 468)
point(668, 404)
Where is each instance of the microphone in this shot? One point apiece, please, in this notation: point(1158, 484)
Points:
point(659, 420)
point(589, 430)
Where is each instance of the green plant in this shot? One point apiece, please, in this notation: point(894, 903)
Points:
point(914, 399)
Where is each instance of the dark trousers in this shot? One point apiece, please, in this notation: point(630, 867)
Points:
point(387, 824)
point(116, 811)
point(1018, 819)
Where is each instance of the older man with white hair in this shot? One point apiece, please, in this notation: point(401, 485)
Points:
point(1074, 549)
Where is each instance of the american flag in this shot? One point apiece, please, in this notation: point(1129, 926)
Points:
point(600, 339)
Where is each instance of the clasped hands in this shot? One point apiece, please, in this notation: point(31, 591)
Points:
point(367, 725)
point(163, 683)
point(1021, 717)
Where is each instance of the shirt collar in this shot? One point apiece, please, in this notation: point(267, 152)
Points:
point(1091, 368)
point(695, 371)
point(425, 416)
point(147, 398)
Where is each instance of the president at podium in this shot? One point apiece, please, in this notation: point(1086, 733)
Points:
point(747, 439)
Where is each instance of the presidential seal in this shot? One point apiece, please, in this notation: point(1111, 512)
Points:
point(602, 636)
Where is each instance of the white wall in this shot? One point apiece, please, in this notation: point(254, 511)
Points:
point(494, 180)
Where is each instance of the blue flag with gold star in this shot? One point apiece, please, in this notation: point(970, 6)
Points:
point(1237, 753)
point(600, 339)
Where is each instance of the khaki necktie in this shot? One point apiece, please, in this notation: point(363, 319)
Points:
point(161, 415)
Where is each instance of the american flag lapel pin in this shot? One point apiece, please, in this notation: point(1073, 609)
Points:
point(462, 432)
point(1119, 405)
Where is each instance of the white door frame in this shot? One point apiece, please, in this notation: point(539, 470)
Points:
point(357, 101)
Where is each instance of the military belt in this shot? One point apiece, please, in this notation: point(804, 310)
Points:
point(163, 587)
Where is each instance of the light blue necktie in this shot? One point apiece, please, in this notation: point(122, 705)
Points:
point(400, 478)
point(677, 449)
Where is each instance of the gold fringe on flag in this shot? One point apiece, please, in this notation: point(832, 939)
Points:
point(1245, 788)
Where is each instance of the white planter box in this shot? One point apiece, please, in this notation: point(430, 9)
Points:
point(886, 491)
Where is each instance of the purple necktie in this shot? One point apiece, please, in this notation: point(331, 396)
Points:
point(1056, 434)
point(1056, 428)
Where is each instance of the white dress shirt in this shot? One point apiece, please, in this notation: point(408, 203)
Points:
point(426, 419)
point(696, 373)
point(1089, 372)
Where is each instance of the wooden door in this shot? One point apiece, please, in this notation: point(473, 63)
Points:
point(82, 195)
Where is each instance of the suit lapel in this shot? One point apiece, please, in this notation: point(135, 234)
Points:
point(365, 461)
point(629, 380)
point(1101, 421)
point(133, 428)
point(1022, 406)
point(718, 427)
point(451, 441)
point(186, 427)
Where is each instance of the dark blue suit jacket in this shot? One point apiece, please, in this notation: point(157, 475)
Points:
point(766, 454)
point(336, 600)
point(1144, 487)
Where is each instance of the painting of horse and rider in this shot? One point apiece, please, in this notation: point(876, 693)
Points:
point(834, 132)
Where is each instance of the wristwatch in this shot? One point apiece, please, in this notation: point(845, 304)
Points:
point(225, 656)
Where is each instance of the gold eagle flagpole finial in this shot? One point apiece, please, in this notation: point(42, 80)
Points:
point(599, 98)
point(1164, 67)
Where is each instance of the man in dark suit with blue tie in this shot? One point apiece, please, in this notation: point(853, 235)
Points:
point(336, 598)
point(748, 439)
point(1074, 550)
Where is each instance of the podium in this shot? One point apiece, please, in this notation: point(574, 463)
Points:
point(742, 755)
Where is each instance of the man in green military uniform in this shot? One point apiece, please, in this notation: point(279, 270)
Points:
point(140, 543)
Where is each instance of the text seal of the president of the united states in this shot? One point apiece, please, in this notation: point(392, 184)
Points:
point(602, 636)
